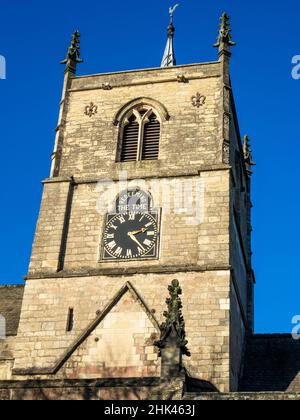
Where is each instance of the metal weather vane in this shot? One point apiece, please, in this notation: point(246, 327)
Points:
point(169, 54)
point(172, 10)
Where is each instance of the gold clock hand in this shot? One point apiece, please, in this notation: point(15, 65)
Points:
point(136, 232)
point(135, 240)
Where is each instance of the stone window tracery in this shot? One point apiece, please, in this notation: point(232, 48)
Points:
point(140, 133)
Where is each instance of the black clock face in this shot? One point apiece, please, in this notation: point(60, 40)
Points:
point(131, 236)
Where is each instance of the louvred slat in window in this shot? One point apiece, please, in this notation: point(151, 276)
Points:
point(130, 141)
point(151, 139)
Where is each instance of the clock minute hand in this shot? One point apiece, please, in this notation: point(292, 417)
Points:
point(131, 235)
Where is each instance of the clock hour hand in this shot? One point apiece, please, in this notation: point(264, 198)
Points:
point(136, 232)
point(131, 235)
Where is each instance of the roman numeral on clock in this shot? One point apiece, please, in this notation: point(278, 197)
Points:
point(118, 252)
point(131, 236)
point(112, 244)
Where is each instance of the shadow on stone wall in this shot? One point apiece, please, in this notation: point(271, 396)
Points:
point(131, 389)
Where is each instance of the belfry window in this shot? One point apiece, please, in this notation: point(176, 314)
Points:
point(140, 135)
point(130, 142)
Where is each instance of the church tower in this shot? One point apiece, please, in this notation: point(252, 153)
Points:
point(149, 195)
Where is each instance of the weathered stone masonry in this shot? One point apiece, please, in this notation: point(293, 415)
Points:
point(65, 270)
point(118, 306)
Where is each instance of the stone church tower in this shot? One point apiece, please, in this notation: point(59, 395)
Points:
point(150, 182)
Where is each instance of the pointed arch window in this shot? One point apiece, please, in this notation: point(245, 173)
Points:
point(130, 141)
point(140, 135)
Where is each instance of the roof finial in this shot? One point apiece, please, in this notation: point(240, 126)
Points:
point(224, 40)
point(248, 154)
point(174, 320)
point(73, 54)
point(169, 59)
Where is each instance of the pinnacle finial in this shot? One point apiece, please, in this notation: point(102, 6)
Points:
point(73, 54)
point(169, 59)
point(248, 154)
point(224, 40)
point(174, 320)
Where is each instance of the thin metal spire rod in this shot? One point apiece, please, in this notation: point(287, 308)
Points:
point(169, 59)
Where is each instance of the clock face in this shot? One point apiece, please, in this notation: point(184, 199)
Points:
point(130, 236)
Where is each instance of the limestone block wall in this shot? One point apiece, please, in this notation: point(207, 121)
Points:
point(123, 390)
point(10, 309)
point(66, 270)
point(6, 358)
point(121, 346)
point(193, 227)
point(251, 396)
point(90, 143)
point(49, 235)
point(6, 366)
point(43, 339)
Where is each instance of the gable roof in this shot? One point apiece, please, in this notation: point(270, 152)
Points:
point(272, 364)
point(90, 328)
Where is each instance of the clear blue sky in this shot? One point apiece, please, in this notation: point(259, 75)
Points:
point(120, 35)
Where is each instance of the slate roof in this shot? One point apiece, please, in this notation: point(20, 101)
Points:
point(272, 363)
point(10, 307)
